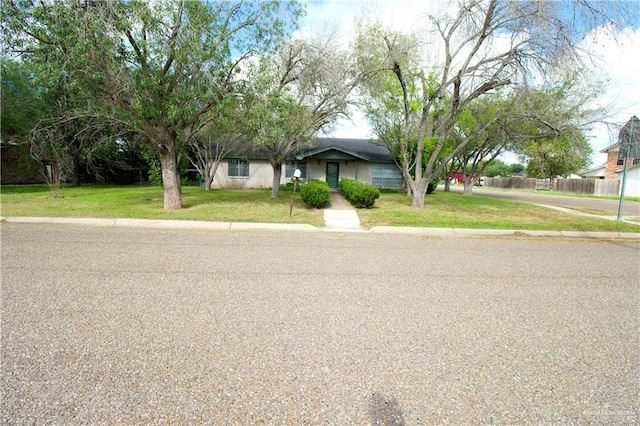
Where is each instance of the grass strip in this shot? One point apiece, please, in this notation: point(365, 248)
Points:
point(442, 209)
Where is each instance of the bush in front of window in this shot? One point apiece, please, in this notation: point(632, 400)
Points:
point(315, 194)
point(358, 193)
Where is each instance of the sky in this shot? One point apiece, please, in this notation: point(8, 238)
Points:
point(617, 61)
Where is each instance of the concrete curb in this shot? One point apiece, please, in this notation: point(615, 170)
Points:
point(163, 224)
point(464, 232)
point(244, 226)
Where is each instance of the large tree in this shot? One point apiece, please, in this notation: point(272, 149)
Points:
point(298, 91)
point(471, 51)
point(44, 118)
point(216, 134)
point(548, 128)
point(22, 102)
point(156, 67)
point(485, 145)
point(559, 156)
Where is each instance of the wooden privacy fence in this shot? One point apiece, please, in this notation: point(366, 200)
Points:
point(587, 186)
point(575, 186)
point(510, 183)
point(607, 187)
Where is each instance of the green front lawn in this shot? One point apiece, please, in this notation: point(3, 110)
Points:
point(453, 210)
point(442, 209)
point(146, 202)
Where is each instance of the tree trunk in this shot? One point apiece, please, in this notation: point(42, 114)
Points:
point(277, 174)
point(75, 173)
point(418, 195)
point(447, 184)
point(468, 186)
point(170, 180)
point(208, 180)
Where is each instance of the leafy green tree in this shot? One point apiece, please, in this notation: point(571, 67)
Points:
point(156, 67)
point(516, 168)
point(550, 128)
point(38, 116)
point(484, 143)
point(22, 103)
point(475, 50)
point(298, 91)
point(497, 168)
point(561, 156)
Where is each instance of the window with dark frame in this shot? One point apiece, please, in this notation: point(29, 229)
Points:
point(238, 168)
point(387, 176)
point(291, 166)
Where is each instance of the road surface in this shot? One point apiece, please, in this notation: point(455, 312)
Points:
point(630, 208)
point(151, 326)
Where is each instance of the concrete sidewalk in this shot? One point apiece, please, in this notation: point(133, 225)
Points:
point(339, 215)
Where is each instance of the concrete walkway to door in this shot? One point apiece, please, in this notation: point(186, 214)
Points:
point(340, 215)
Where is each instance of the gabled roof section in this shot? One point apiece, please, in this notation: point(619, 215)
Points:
point(630, 131)
point(611, 148)
point(595, 171)
point(346, 149)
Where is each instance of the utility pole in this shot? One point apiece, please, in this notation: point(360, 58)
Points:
point(626, 152)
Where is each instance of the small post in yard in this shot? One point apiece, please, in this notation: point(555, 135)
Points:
point(296, 177)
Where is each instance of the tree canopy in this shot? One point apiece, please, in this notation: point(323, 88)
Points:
point(297, 92)
point(156, 67)
point(467, 52)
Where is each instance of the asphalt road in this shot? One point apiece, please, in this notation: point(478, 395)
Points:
point(630, 208)
point(150, 326)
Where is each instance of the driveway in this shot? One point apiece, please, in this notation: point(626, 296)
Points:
point(630, 208)
point(111, 325)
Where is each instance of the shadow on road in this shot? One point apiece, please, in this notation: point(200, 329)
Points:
point(385, 411)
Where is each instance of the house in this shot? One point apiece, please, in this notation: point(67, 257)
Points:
point(626, 150)
point(329, 159)
point(616, 159)
point(594, 173)
point(632, 185)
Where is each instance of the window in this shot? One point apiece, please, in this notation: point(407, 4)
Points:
point(620, 162)
point(238, 168)
point(387, 176)
point(291, 166)
point(636, 161)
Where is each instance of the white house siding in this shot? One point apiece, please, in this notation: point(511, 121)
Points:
point(260, 176)
point(632, 186)
point(261, 173)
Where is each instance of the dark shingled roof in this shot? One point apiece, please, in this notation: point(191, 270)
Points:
point(330, 148)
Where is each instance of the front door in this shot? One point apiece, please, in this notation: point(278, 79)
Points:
point(333, 174)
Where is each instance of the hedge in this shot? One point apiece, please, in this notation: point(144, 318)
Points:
point(359, 194)
point(315, 194)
